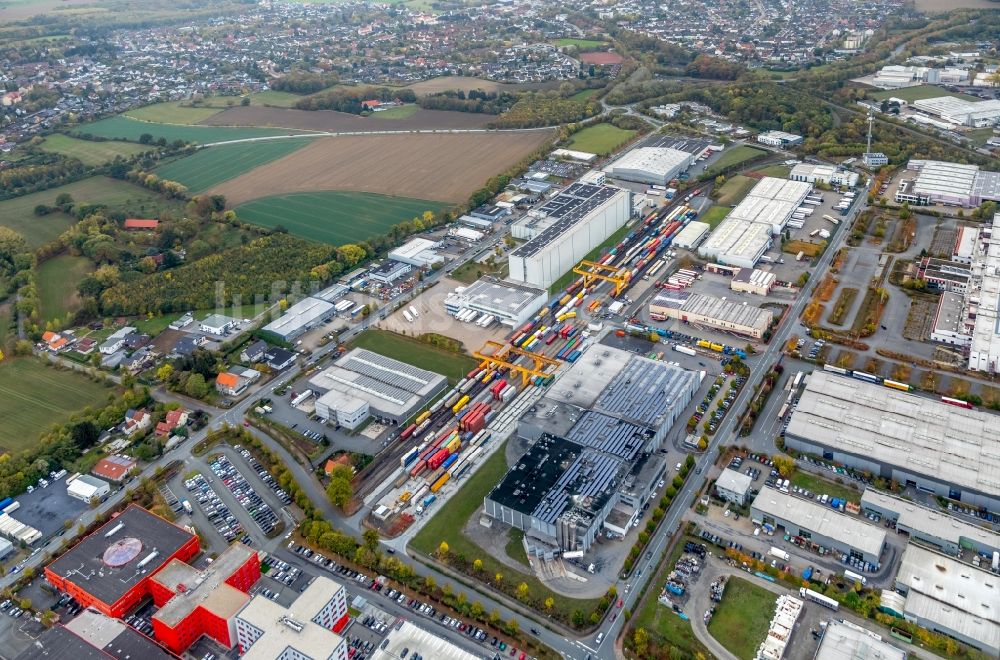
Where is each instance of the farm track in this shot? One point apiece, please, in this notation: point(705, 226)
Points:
point(332, 121)
point(445, 166)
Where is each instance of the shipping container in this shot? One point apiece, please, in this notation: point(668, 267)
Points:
point(440, 482)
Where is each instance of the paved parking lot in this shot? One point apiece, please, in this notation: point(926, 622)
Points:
point(48, 509)
point(231, 477)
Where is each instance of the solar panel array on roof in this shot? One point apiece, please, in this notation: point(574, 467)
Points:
point(690, 145)
point(587, 484)
point(393, 372)
point(608, 434)
point(644, 391)
point(535, 474)
point(569, 207)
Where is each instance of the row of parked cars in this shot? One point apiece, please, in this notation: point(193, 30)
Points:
point(237, 484)
point(282, 572)
point(12, 610)
point(265, 476)
point(215, 509)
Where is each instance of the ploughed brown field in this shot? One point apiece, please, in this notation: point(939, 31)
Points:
point(441, 167)
point(329, 120)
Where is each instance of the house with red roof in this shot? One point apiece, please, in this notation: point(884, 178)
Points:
point(54, 340)
point(141, 224)
point(173, 420)
point(114, 468)
point(136, 420)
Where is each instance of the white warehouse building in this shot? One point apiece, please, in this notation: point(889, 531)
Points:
point(693, 234)
point(737, 242)
point(86, 488)
point(811, 173)
point(652, 165)
point(511, 304)
point(772, 202)
point(300, 317)
point(585, 216)
point(418, 252)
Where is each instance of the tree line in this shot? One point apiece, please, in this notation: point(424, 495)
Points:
point(476, 100)
point(535, 109)
point(349, 99)
point(302, 82)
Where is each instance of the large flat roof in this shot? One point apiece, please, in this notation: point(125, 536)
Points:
point(734, 481)
point(132, 536)
point(536, 473)
point(923, 435)
point(207, 588)
point(937, 177)
point(843, 640)
point(659, 161)
point(114, 638)
point(986, 273)
point(302, 313)
point(952, 594)
point(502, 298)
point(737, 238)
point(821, 520)
point(58, 643)
point(387, 385)
point(772, 201)
point(723, 311)
point(929, 522)
point(301, 633)
point(569, 207)
point(628, 387)
point(406, 635)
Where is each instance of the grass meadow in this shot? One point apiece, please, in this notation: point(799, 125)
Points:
point(600, 139)
point(89, 152)
point(57, 282)
point(126, 128)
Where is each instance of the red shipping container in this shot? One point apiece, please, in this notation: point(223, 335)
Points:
point(418, 468)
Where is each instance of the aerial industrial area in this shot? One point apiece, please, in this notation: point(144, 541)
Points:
point(515, 330)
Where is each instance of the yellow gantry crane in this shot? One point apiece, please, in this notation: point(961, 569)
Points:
point(591, 270)
point(494, 354)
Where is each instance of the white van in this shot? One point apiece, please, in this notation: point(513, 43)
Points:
point(600, 638)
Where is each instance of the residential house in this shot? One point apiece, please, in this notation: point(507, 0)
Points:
point(254, 352)
point(174, 419)
point(116, 341)
point(114, 468)
point(183, 322)
point(135, 340)
point(136, 420)
point(143, 358)
point(54, 341)
point(140, 224)
point(85, 346)
point(279, 358)
point(186, 345)
point(217, 324)
point(230, 384)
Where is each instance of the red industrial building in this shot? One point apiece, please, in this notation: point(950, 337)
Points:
point(194, 603)
point(111, 569)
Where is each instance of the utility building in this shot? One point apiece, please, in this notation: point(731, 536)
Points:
point(585, 216)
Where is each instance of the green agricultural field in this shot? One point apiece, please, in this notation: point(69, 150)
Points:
point(213, 165)
point(172, 112)
point(417, 353)
point(57, 282)
point(126, 128)
point(33, 397)
point(334, 217)
point(600, 139)
point(582, 44)
point(19, 213)
point(399, 112)
point(911, 94)
point(734, 156)
point(715, 215)
point(89, 152)
point(741, 620)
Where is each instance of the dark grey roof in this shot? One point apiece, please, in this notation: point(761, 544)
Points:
point(58, 643)
point(84, 566)
point(608, 434)
point(568, 208)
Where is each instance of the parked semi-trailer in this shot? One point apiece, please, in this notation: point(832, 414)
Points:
point(816, 597)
